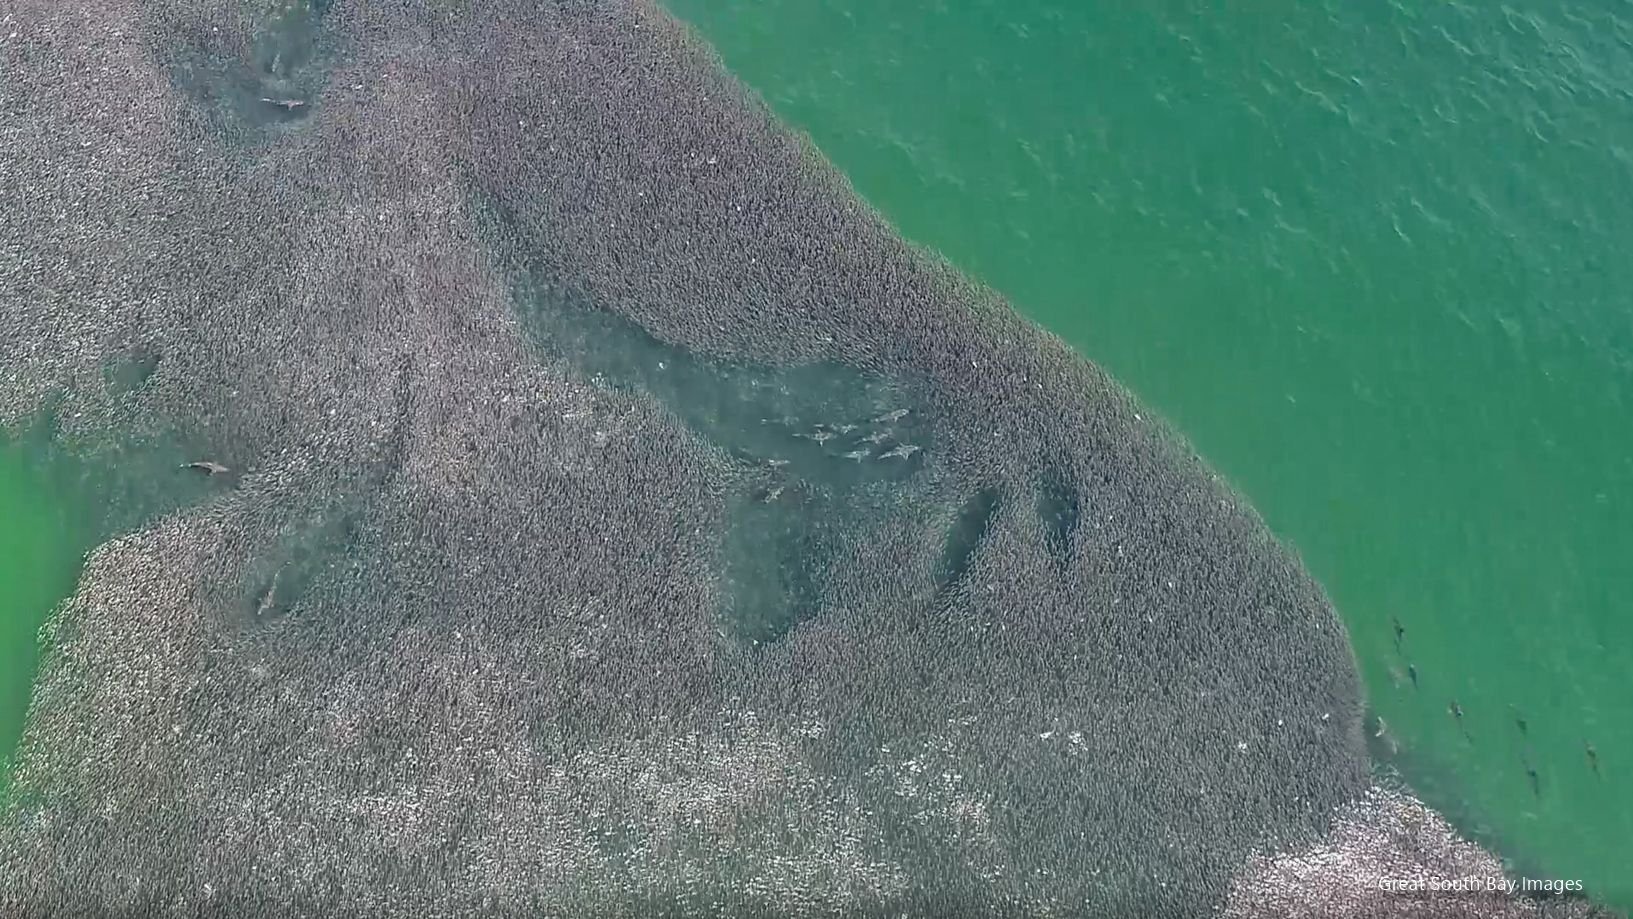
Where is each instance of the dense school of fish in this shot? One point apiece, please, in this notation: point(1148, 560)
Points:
point(535, 484)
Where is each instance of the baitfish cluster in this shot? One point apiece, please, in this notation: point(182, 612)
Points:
point(608, 514)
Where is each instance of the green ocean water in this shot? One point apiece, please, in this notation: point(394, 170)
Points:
point(39, 560)
point(1369, 258)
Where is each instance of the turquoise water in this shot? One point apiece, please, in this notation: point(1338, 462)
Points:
point(1368, 257)
point(39, 560)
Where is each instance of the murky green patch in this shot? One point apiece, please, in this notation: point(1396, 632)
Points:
point(41, 548)
point(266, 88)
point(831, 453)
